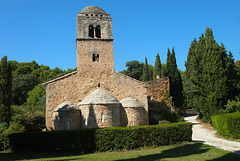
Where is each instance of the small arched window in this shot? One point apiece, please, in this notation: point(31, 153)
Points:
point(90, 31)
point(132, 121)
point(98, 31)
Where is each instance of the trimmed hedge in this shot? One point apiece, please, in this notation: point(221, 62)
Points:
point(106, 139)
point(227, 125)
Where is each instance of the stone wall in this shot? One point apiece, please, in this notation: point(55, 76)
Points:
point(67, 120)
point(85, 50)
point(159, 90)
point(99, 116)
point(159, 99)
point(132, 116)
point(75, 87)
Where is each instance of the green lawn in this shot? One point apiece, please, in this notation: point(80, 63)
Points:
point(184, 151)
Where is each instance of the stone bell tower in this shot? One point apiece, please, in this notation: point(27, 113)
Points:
point(94, 42)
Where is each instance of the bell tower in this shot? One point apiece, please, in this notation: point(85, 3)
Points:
point(94, 42)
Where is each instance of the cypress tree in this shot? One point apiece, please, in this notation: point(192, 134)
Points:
point(157, 67)
point(145, 75)
point(213, 80)
point(5, 90)
point(214, 75)
point(168, 62)
point(190, 57)
point(176, 86)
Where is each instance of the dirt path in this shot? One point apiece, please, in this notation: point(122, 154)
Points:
point(207, 136)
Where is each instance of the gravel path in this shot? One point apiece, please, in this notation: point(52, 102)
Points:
point(207, 136)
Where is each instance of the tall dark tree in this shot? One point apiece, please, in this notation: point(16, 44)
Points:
point(164, 71)
point(211, 80)
point(176, 86)
point(168, 62)
point(157, 67)
point(145, 75)
point(5, 90)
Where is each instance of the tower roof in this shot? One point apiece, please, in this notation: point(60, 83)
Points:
point(93, 9)
point(130, 102)
point(99, 96)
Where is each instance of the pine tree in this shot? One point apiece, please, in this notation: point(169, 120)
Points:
point(5, 90)
point(157, 67)
point(145, 75)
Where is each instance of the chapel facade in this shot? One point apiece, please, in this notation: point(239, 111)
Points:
point(95, 96)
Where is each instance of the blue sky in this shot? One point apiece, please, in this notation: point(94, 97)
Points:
point(45, 30)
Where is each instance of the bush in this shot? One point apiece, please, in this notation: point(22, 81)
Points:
point(232, 106)
point(106, 139)
point(13, 128)
point(227, 125)
point(32, 117)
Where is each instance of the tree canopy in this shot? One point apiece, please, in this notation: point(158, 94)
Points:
point(212, 76)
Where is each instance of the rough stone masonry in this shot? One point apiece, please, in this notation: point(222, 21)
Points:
point(96, 78)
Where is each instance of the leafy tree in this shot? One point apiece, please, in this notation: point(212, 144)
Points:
point(32, 117)
point(23, 70)
point(5, 90)
point(14, 64)
point(145, 75)
point(134, 69)
point(157, 67)
point(22, 84)
point(36, 96)
point(70, 70)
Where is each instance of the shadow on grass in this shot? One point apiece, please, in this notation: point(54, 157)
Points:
point(194, 150)
point(229, 156)
point(181, 151)
point(9, 156)
point(184, 150)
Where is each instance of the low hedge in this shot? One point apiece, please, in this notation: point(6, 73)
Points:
point(106, 139)
point(227, 125)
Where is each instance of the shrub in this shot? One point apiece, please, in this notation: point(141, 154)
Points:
point(106, 139)
point(13, 128)
point(32, 117)
point(232, 106)
point(227, 125)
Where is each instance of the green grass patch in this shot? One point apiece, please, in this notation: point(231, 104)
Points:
point(182, 151)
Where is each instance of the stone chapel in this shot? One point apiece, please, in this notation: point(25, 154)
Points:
point(95, 95)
